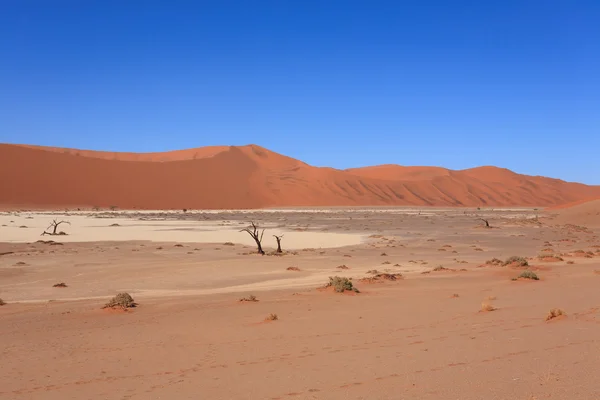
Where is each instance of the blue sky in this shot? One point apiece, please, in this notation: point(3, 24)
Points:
point(334, 83)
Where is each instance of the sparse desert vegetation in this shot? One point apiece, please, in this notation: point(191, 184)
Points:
point(554, 313)
point(60, 285)
point(516, 261)
point(251, 298)
point(528, 275)
point(341, 284)
point(121, 300)
point(222, 268)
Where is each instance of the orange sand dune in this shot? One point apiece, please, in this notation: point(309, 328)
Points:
point(585, 213)
point(253, 177)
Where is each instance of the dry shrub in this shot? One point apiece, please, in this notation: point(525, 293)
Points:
point(486, 307)
point(123, 300)
point(529, 275)
point(383, 254)
point(251, 298)
point(228, 244)
point(554, 313)
point(382, 277)
point(440, 268)
point(372, 271)
point(343, 267)
point(272, 317)
point(293, 269)
point(516, 261)
point(61, 285)
point(2, 302)
point(341, 284)
point(455, 295)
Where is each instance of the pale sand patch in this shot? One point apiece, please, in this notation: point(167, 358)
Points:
point(87, 228)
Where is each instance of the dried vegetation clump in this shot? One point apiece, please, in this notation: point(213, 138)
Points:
point(122, 300)
point(341, 284)
point(527, 275)
point(272, 317)
point(555, 313)
point(516, 261)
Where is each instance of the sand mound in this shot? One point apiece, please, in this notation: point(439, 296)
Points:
point(583, 213)
point(253, 177)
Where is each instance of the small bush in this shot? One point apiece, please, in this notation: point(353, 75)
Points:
point(342, 267)
point(485, 307)
point(494, 261)
point(341, 284)
point(249, 298)
point(554, 313)
point(2, 302)
point(440, 268)
point(272, 317)
point(123, 300)
point(529, 275)
point(293, 269)
point(519, 261)
point(61, 285)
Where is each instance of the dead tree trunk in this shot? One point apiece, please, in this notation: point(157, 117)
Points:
point(253, 230)
point(54, 225)
point(487, 223)
point(278, 238)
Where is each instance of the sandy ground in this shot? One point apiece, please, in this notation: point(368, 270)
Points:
point(420, 337)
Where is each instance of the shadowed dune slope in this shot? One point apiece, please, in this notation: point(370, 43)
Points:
point(253, 177)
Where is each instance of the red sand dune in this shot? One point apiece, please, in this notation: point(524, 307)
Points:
point(253, 177)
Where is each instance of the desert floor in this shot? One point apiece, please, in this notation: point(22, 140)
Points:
point(424, 336)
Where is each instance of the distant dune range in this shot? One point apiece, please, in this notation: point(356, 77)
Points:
point(246, 177)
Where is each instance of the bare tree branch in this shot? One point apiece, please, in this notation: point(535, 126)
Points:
point(487, 223)
point(253, 231)
point(278, 238)
point(54, 225)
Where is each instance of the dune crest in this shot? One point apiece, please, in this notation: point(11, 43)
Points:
point(244, 177)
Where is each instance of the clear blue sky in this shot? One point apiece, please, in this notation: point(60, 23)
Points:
point(513, 83)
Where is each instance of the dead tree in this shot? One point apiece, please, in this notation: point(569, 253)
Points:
point(487, 223)
point(54, 225)
point(253, 231)
point(278, 238)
